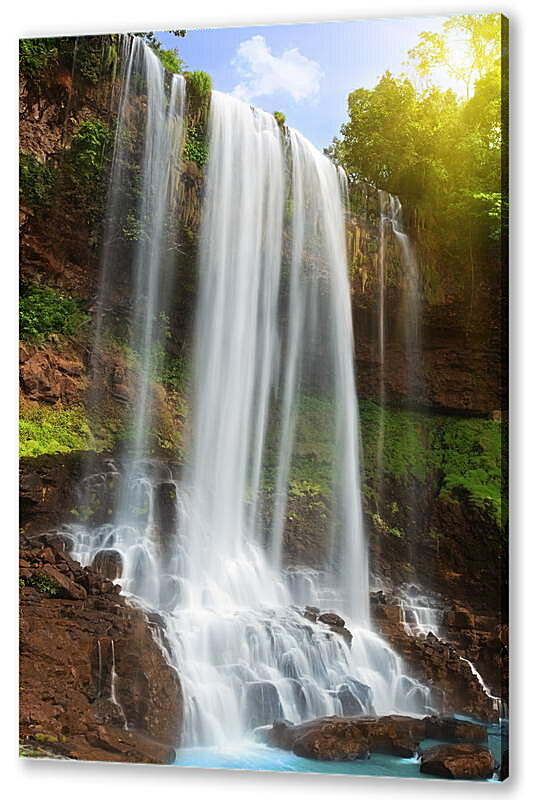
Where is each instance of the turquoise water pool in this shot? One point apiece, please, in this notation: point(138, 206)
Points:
point(253, 756)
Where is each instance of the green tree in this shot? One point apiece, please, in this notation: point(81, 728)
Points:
point(439, 153)
point(468, 48)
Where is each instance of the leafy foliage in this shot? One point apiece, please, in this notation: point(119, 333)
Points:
point(195, 147)
point(279, 116)
point(36, 55)
point(454, 455)
point(171, 60)
point(132, 229)
point(468, 48)
point(52, 429)
point(36, 180)
point(43, 311)
point(443, 155)
point(199, 84)
point(86, 157)
point(89, 58)
point(43, 584)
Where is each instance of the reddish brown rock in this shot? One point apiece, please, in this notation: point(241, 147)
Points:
point(334, 745)
point(67, 587)
point(108, 563)
point(438, 663)
point(462, 761)
point(461, 618)
point(348, 738)
point(76, 655)
point(49, 377)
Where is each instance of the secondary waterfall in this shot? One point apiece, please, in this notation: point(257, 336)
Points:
point(273, 328)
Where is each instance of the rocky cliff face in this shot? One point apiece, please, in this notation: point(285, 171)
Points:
point(458, 365)
point(94, 680)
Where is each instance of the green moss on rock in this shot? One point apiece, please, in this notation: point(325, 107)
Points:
point(52, 429)
point(456, 455)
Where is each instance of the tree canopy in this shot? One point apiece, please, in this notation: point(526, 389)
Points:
point(440, 153)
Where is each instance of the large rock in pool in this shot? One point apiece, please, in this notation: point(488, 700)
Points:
point(458, 761)
point(347, 738)
point(326, 739)
point(449, 729)
point(393, 735)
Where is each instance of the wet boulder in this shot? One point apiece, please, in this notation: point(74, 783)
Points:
point(339, 743)
point(324, 739)
point(463, 761)
point(393, 735)
point(311, 613)
point(262, 703)
point(348, 738)
point(355, 697)
point(166, 515)
point(299, 696)
point(108, 563)
point(169, 591)
point(336, 625)
point(329, 618)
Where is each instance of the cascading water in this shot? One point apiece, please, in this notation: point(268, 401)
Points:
point(411, 303)
point(142, 186)
point(394, 241)
point(273, 327)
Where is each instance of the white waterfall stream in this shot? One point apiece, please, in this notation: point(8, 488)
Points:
point(273, 324)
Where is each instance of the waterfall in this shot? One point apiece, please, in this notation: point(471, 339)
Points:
point(273, 328)
point(392, 238)
point(411, 308)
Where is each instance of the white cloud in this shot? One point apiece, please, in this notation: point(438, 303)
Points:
point(263, 74)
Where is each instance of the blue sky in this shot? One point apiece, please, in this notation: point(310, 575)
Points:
point(306, 71)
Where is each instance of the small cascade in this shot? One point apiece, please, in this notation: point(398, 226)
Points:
point(497, 703)
point(384, 205)
point(420, 613)
point(412, 303)
point(113, 688)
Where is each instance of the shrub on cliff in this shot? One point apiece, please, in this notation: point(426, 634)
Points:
point(171, 60)
point(36, 180)
point(44, 311)
point(36, 55)
point(195, 147)
point(86, 156)
point(199, 84)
